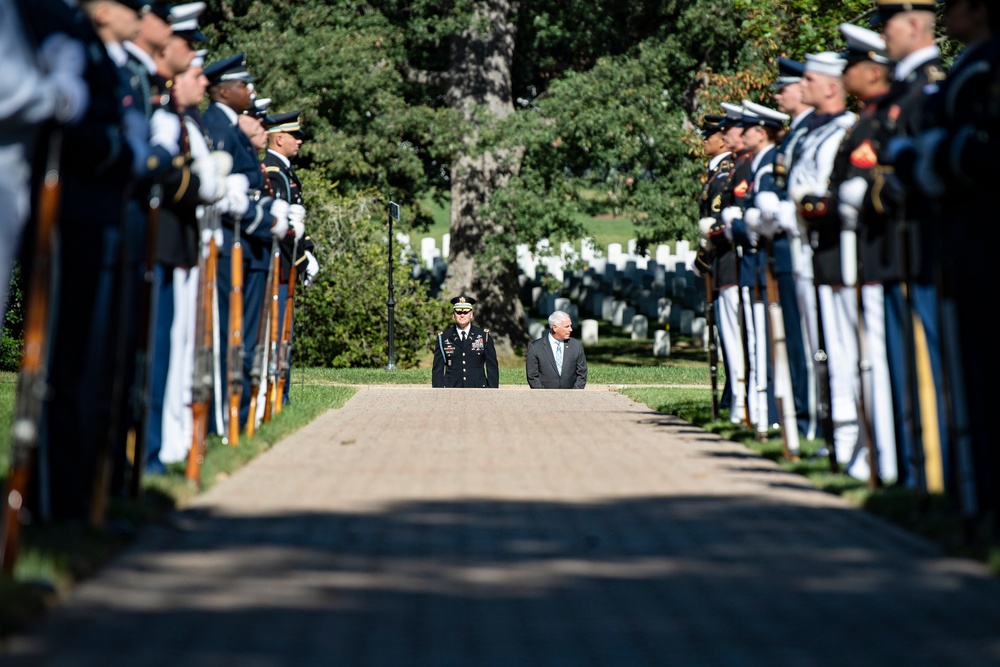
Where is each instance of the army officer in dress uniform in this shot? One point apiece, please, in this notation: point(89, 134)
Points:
point(464, 355)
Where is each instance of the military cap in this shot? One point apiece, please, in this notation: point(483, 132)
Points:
point(886, 9)
point(199, 58)
point(260, 106)
point(863, 44)
point(710, 124)
point(184, 21)
point(829, 63)
point(789, 71)
point(137, 5)
point(285, 122)
point(159, 8)
point(463, 303)
point(757, 115)
point(734, 114)
point(233, 68)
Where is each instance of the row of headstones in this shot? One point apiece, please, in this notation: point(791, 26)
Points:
point(627, 289)
point(555, 261)
point(669, 316)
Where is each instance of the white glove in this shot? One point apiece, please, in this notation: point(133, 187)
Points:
point(297, 213)
point(752, 218)
point(767, 202)
point(312, 268)
point(210, 187)
point(298, 228)
point(694, 269)
point(788, 218)
point(852, 192)
point(237, 199)
point(704, 225)
point(279, 210)
point(223, 164)
point(729, 214)
point(848, 216)
point(64, 58)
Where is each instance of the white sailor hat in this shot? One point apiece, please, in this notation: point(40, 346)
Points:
point(260, 106)
point(734, 114)
point(863, 44)
point(757, 115)
point(183, 20)
point(829, 63)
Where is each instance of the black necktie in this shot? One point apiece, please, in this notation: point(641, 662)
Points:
point(463, 336)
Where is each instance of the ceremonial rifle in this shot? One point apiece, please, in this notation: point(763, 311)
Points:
point(260, 349)
point(285, 357)
point(271, 397)
point(235, 339)
point(823, 407)
point(204, 361)
point(713, 347)
point(782, 369)
point(760, 374)
point(32, 376)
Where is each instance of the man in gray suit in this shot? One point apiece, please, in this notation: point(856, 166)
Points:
point(556, 361)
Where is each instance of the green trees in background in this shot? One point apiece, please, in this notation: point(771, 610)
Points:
point(521, 115)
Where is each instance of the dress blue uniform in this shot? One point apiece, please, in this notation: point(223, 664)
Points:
point(285, 184)
point(253, 226)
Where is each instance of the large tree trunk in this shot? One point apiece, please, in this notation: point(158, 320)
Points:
point(480, 79)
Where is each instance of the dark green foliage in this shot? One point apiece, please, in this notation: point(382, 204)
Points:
point(341, 319)
point(10, 342)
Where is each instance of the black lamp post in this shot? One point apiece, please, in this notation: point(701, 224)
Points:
point(393, 215)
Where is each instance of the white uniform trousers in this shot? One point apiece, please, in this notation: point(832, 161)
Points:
point(877, 388)
point(839, 308)
point(177, 426)
point(727, 316)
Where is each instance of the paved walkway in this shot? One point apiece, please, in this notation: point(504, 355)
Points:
point(416, 527)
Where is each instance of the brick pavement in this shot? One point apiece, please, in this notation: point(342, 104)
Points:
point(418, 527)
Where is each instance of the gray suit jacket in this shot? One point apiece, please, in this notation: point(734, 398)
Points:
point(540, 365)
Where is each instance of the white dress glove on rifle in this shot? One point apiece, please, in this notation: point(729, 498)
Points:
point(788, 218)
point(63, 58)
point(729, 214)
point(279, 211)
point(210, 187)
point(296, 220)
point(312, 268)
point(237, 199)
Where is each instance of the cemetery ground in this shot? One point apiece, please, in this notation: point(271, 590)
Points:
point(54, 558)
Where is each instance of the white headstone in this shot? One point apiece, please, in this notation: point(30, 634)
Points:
point(618, 312)
point(588, 332)
point(627, 314)
point(445, 245)
point(687, 320)
point(661, 343)
point(537, 328)
point(699, 332)
point(640, 327)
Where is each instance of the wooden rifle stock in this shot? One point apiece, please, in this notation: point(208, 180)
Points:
point(204, 363)
point(139, 394)
point(235, 340)
point(782, 370)
point(32, 376)
point(260, 349)
point(745, 378)
point(713, 348)
point(285, 355)
point(273, 337)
